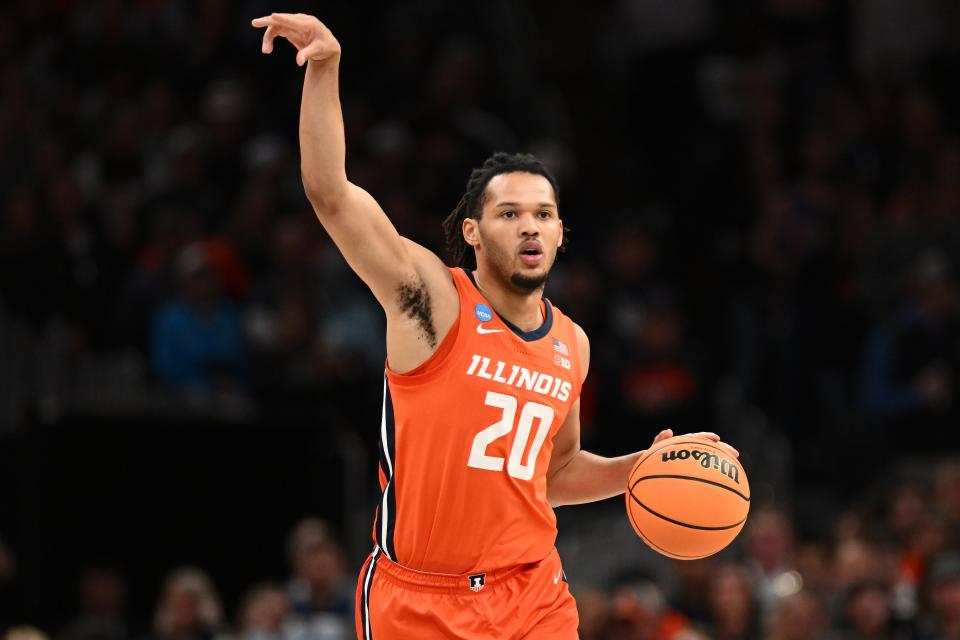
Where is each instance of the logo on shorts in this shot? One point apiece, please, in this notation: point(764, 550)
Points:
point(477, 581)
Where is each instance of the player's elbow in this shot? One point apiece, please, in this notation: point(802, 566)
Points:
point(326, 196)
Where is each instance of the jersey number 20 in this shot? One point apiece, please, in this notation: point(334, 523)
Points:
point(515, 467)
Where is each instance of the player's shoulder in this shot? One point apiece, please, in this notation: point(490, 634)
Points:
point(560, 319)
point(583, 342)
point(583, 349)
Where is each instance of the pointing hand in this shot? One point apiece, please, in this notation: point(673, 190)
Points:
point(313, 40)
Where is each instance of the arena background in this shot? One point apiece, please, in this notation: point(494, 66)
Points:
point(765, 204)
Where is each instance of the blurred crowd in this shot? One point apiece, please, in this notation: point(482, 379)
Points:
point(765, 211)
point(793, 228)
point(888, 569)
point(315, 603)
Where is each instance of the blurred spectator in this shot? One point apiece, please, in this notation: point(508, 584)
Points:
point(912, 370)
point(189, 608)
point(320, 590)
point(26, 243)
point(25, 633)
point(906, 510)
point(868, 615)
point(856, 561)
point(813, 563)
point(262, 614)
point(280, 320)
point(692, 590)
point(8, 573)
point(197, 341)
point(102, 595)
point(800, 616)
point(350, 323)
point(593, 607)
point(947, 490)
point(769, 545)
point(639, 611)
point(907, 521)
point(732, 606)
point(658, 381)
point(943, 620)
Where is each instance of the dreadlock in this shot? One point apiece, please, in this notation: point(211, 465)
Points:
point(471, 204)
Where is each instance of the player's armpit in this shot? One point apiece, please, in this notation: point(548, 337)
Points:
point(427, 307)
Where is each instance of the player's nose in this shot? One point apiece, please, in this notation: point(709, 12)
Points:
point(528, 226)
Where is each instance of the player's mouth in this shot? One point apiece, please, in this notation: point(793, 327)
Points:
point(531, 253)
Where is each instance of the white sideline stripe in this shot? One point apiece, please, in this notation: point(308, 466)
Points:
point(386, 516)
point(383, 428)
point(386, 454)
point(366, 595)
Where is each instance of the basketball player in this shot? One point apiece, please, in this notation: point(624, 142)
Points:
point(480, 435)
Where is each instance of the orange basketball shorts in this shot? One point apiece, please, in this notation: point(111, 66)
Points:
point(529, 602)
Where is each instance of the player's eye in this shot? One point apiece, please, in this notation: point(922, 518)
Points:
point(508, 214)
point(545, 214)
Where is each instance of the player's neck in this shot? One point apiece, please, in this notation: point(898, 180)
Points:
point(519, 309)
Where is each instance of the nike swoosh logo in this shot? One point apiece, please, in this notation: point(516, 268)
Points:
point(480, 329)
point(556, 578)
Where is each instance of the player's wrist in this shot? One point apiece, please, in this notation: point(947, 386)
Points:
point(329, 63)
point(630, 460)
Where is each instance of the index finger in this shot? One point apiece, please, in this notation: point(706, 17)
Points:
point(731, 449)
point(708, 435)
point(276, 20)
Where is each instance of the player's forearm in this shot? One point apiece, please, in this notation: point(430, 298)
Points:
point(589, 477)
point(322, 145)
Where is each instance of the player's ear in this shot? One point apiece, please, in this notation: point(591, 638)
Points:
point(470, 232)
point(560, 237)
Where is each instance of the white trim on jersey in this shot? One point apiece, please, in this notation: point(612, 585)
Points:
point(384, 510)
point(367, 633)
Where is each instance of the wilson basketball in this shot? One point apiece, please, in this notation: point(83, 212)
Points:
point(687, 498)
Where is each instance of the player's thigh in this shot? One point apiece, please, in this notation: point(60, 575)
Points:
point(560, 624)
point(389, 611)
point(360, 602)
point(397, 613)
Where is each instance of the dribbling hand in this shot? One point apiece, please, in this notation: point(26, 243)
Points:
point(668, 433)
point(313, 40)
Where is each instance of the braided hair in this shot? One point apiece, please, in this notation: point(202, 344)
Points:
point(471, 204)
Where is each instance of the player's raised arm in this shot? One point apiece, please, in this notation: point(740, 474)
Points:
point(356, 223)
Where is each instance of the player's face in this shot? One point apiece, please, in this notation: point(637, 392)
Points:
point(519, 231)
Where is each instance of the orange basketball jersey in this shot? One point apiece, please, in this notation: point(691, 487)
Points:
point(466, 439)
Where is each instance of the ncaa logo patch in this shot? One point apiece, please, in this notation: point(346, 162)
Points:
point(483, 313)
point(477, 581)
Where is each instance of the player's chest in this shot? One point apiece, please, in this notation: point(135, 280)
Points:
point(513, 405)
point(529, 373)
